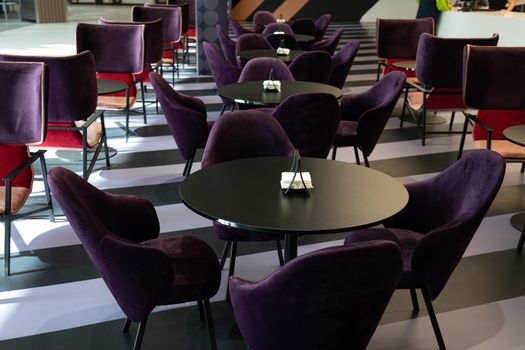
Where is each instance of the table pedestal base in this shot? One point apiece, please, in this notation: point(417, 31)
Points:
point(290, 247)
point(76, 156)
point(517, 221)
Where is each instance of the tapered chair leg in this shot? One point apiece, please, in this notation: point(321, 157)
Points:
point(187, 167)
point(334, 152)
point(200, 306)
point(232, 268)
point(367, 164)
point(142, 90)
point(127, 324)
point(413, 296)
point(522, 167)
point(209, 324)
point(225, 252)
point(519, 248)
point(7, 243)
point(451, 121)
point(403, 111)
point(433, 320)
point(358, 162)
point(223, 108)
point(280, 252)
point(140, 334)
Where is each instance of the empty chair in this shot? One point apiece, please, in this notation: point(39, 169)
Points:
point(120, 235)
point(261, 19)
point(223, 72)
point(278, 27)
point(310, 121)
point(438, 223)
point(439, 71)
point(119, 54)
point(330, 44)
point(239, 135)
point(237, 28)
point(397, 40)
point(186, 117)
point(227, 45)
point(250, 41)
point(73, 122)
point(332, 298)
point(365, 115)
point(303, 26)
point(260, 68)
point(301, 67)
point(321, 24)
point(23, 121)
point(342, 62)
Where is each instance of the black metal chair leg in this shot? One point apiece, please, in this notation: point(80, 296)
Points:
point(463, 136)
point(413, 296)
point(127, 114)
point(209, 324)
point(143, 101)
point(105, 136)
point(127, 323)
point(519, 248)
point(433, 320)
point(451, 120)
point(280, 252)
point(140, 335)
point(232, 268)
point(7, 239)
point(367, 164)
point(201, 310)
point(46, 188)
point(522, 167)
point(225, 252)
point(424, 121)
point(358, 162)
point(334, 152)
point(223, 108)
point(187, 167)
point(405, 101)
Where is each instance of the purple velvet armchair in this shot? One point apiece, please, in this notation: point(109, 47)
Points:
point(332, 298)
point(71, 107)
point(223, 72)
point(301, 67)
point(186, 117)
point(321, 24)
point(304, 26)
point(250, 41)
point(330, 44)
point(237, 28)
point(342, 62)
point(365, 115)
point(120, 235)
point(261, 19)
point(310, 121)
point(239, 135)
point(438, 223)
point(278, 27)
point(259, 69)
point(227, 45)
point(23, 121)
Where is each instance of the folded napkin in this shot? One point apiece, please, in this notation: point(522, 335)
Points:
point(279, 32)
point(272, 85)
point(280, 20)
point(283, 51)
point(286, 179)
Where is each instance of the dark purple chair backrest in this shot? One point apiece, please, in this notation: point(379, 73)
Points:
point(227, 45)
point(108, 242)
point(259, 69)
point(237, 28)
point(23, 119)
point(171, 19)
point(186, 116)
point(321, 24)
point(494, 77)
point(153, 34)
point(185, 14)
point(376, 108)
point(310, 121)
point(72, 85)
point(439, 61)
point(261, 19)
point(303, 26)
point(252, 41)
point(224, 72)
point(302, 67)
point(278, 27)
point(398, 38)
point(332, 298)
point(245, 134)
point(330, 44)
point(448, 210)
point(287, 39)
point(116, 48)
point(342, 62)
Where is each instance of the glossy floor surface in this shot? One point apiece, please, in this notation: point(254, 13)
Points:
point(56, 300)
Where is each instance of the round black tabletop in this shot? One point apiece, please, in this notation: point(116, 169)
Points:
point(247, 194)
point(408, 65)
point(303, 38)
point(251, 54)
point(108, 86)
point(515, 134)
point(252, 92)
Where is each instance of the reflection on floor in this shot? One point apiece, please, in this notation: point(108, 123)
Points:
point(56, 300)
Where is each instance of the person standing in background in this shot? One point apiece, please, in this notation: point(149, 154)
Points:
point(432, 8)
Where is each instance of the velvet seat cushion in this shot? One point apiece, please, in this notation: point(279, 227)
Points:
point(12, 156)
point(194, 265)
point(438, 102)
point(71, 138)
point(499, 120)
point(347, 133)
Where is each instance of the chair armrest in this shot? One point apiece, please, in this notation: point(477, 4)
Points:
point(91, 119)
point(33, 158)
point(488, 129)
point(418, 86)
point(136, 275)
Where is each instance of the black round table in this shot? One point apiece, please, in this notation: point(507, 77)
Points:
point(252, 92)
point(251, 54)
point(516, 134)
point(303, 38)
point(108, 86)
point(247, 194)
point(407, 65)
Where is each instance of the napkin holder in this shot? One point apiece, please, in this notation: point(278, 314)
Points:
point(280, 20)
point(271, 85)
point(279, 32)
point(282, 50)
point(296, 174)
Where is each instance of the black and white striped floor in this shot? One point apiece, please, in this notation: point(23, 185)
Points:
point(56, 300)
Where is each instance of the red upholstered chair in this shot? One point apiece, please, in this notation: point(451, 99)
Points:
point(439, 71)
point(22, 121)
point(397, 40)
point(71, 107)
point(119, 54)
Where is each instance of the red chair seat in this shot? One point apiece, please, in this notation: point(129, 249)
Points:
point(71, 138)
point(12, 156)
